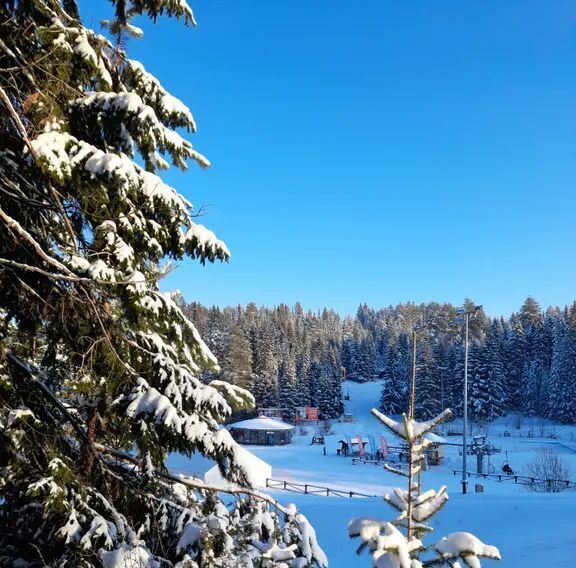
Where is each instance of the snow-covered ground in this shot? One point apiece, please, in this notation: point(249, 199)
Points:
point(531, 530)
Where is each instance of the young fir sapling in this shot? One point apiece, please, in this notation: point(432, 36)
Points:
point(388, 545)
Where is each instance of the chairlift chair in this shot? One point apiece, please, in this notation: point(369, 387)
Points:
point(507, 469)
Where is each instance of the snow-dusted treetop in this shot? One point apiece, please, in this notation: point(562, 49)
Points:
point(390, 548)
point(410, 429)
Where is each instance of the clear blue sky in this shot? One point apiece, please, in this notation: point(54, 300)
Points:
point(378, 151)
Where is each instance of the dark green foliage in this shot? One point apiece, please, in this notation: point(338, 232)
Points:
point(510, 367)
point(100, 372)
point(395, 389)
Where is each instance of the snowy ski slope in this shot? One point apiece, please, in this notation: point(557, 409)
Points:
point(532, 530)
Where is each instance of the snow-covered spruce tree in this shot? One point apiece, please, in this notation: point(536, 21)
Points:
point(366, 360)
point(395, 388)
point(388, 546)
point(303, 362)
point(236, 362)
point(265, 367)
point(429, 392)
point(288, 394)
point(562, 403)
point(514, 357)
point(99, 370)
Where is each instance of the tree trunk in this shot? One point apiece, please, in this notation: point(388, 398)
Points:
point(88, 453)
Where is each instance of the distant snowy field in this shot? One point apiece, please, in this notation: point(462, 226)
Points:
point(531, 530)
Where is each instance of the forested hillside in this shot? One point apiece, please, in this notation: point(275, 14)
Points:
point(289, 357)
point(286, 357)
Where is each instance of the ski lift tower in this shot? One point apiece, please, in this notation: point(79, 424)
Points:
point(465, 313)
point(481, 447)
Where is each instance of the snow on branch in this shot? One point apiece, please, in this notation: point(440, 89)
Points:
point(424, 506)
point(465, 546)
point(203, 240)
point(172, 8)
point(198, 431)
point(169, 109)
point(237, 397)
point(411, 430)
point(387, 545)
point(63, 155)
point(297, 529)
point(163, 304)
point(124, 119)
point(83, 46)
point(66, 158)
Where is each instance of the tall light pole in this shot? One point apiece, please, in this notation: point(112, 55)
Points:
point(467, 313)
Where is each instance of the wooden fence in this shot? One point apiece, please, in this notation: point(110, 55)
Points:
point(561, 484)
point(309, 489)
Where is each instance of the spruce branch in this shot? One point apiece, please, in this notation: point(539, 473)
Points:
point(32, 150)
point(35, 374)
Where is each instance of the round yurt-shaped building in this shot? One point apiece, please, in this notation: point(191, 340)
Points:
point(262, 431)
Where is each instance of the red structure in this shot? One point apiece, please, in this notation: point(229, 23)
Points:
point(312, 413)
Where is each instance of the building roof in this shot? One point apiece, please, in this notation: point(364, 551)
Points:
point(262, 423)
point(256, 469)
point(435, 438)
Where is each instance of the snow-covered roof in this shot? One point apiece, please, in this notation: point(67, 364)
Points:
point(262, 423)
point(435, 438)
point(257, 470)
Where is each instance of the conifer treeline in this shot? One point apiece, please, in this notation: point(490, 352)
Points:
point(285, 357)
point(525, 363)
